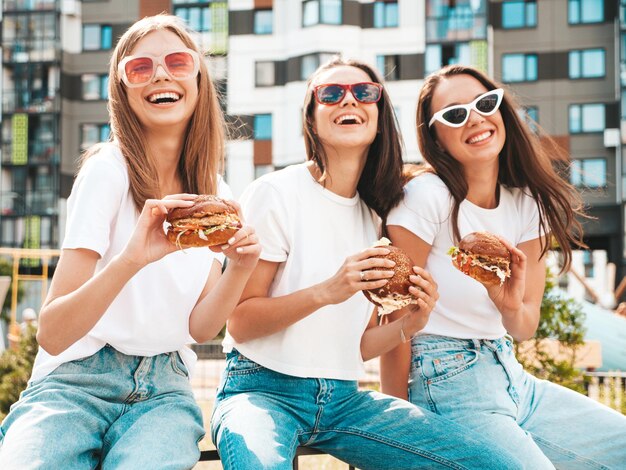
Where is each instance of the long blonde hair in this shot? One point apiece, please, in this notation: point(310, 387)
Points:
point(202, 154)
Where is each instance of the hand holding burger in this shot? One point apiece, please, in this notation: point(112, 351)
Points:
point(482, 256)
point(395, 294)
point(209, 221)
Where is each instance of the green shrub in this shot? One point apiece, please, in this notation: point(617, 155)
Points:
point(16, 366)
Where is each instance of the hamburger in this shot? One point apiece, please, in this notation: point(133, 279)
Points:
point(395, 294)
point(482, 256)
point(209, 221)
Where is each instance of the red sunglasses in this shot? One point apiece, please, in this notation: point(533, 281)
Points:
point(334, 93)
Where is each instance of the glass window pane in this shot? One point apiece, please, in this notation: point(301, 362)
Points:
point(379, 15)
point(311, 13)
point(263, 126)
point(263, 21)
point(107, 37)
point(575, 173)
point(331, 12)
point(309, 64)
point(531, 67)
point(91, 37)
point(592, 11)
point(593, 118)
point(391, 15)
point(594, 172)
point(531, 14)
point(513, 68)
point(573, 11)
point(574, 118)
point(593, 63)
point(264, 74)
point(432, 58)
point(104, 87)
point(91, 87)
point(207, 23)
point(195, 19)
point(513, 15)
point(574, 64)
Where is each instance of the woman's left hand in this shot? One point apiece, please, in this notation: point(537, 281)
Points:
point(425, 291)
point(243, 248)
point(509, 297)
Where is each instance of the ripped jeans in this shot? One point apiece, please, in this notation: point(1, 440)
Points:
point(481, 385)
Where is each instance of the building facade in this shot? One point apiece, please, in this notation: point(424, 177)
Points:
point(562, 58)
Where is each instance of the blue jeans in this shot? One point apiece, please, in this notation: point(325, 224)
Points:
point(480, 384)
point(262, 416)
point(119, 411)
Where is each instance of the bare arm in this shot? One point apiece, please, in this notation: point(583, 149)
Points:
point(258, 315)
point(519, 298)
point(395, 364)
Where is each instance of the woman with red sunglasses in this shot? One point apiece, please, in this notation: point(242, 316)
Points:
point(488, 171)
point(110, 386)
point(298, 338)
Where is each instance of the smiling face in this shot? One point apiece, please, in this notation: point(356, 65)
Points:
point(482, 138)
point(163, 103)
point(348, 124)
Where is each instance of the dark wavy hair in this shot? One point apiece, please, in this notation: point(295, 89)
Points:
point(380, 184)
point(524, 162)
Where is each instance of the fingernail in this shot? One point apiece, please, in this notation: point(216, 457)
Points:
point(225, 247)
point(231, 241)
point(239, 250)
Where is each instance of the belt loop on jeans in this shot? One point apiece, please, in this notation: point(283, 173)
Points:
point(476, 343)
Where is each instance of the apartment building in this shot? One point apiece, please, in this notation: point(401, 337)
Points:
point(562, 59)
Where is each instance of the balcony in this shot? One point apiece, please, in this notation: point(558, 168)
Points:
point(31, 101)
point(31, 5)
point(22, 51)
point(31, 203)
point(39, 153)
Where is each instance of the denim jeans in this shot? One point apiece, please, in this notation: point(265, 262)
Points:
point(119, 411)
point(480, 384)
point(262, 416)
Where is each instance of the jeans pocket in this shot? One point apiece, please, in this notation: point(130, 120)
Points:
point(178, 366)
point(241, 365)
point(438, 365)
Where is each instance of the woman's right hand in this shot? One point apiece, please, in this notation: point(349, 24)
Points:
point(361, 271)
point(148, 241)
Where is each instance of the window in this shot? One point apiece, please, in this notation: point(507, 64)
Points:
point(585, 11)
point(588, 63)
point(263, 21)
point(388, 66)
point(197, 17)
point(91, 134)
point(519, 67)
point(321, 12)
point(95, 87)
point(385, 14)
point(439, 55)
point(456, 20)
point(97, 37)
point(311, 62)
point(264, 74)
point(588, 173)
point(519, 14)
point(263, 126)
point(586, 118)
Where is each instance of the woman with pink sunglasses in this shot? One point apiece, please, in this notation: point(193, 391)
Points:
point(298, 338)
point(487, 171)
point(110, 386)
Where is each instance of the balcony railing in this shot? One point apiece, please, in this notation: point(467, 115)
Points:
point(31, 203)
point(22, 51)
point(30, 5)
point(31, 101)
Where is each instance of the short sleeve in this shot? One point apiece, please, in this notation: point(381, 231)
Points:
point(424, 209)
point(95, 201)
point(529, 214)
point(265, 210)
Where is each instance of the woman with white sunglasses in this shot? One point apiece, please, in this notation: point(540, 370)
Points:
point(487, 171)
point(297, 341)
point(110, 386)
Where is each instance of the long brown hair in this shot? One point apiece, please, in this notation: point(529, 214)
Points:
point(524, 162)
point(380, 184)
point(202, 155)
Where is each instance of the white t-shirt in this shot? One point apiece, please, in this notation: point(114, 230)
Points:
point(150, 315)
point(309, 231)
point(464, 310)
